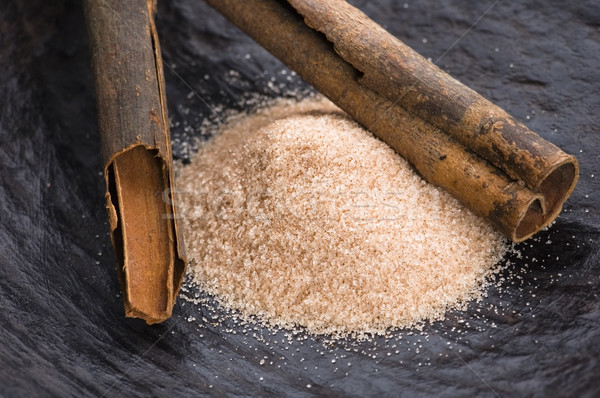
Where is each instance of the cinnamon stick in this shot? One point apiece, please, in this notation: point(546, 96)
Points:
point(519, 190)
point(136, 151)
point(397, 72)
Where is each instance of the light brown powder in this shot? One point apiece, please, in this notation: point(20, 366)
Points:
point(301, 217)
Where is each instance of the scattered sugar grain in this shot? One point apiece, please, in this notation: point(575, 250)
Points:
point(297, 215)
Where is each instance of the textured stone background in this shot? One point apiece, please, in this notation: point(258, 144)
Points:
point(62, 330)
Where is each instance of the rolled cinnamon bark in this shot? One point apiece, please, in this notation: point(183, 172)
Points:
point(508, 203)
point(136, 150)
point(397, 72)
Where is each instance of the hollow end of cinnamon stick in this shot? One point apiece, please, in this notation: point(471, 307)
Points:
point(555, 188)
point(558, 184)
point(143, 233)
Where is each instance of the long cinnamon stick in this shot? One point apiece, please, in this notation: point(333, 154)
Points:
point(507, 202)
point(136, 151)
point(397, 72)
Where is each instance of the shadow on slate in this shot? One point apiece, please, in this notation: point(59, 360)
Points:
point(62, 329)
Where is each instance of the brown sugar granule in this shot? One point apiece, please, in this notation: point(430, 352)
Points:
point(299, 216)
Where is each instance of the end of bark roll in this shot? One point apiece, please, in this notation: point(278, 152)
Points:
point(559, 183)
point(150, 268)
point(555, 188)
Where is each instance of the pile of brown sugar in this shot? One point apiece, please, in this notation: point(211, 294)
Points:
point(297, 215)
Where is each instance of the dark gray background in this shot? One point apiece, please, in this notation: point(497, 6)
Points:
point(62, 330)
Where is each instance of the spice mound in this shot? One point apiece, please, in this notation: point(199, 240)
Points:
point(298, 216)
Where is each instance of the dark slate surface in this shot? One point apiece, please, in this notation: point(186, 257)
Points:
point(62, 330)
